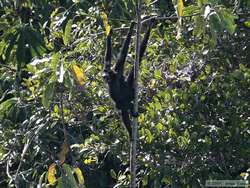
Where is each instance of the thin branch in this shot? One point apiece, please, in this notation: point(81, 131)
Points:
point(144, 21)
point(153, 2)
point(170, 18)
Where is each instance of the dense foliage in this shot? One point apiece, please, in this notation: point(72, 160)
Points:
point(56, 115)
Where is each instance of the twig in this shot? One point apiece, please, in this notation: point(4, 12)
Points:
point(167, 18)
point(152, 2)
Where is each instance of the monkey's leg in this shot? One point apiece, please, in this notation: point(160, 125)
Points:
point(127, 122)
point(108, 53)
point(119, 67)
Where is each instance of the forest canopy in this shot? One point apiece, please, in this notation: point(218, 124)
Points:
point(59, 126)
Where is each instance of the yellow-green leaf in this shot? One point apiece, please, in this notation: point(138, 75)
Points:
point(64, 151)
point(180, 7)
point(67, 32)
point(54, 61)
point(52, 174)
point(106, 23)
point(79, 75)
point(247, 24)
point(79, 175)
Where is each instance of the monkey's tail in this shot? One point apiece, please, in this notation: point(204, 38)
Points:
point(127, 122)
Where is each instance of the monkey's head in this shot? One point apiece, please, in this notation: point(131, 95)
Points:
point(109, 76)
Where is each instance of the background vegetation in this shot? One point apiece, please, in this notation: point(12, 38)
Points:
point(194, 94)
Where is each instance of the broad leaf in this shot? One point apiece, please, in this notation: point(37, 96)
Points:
point(180, 7)
point(68, 178)
point(227, 19)
point(52, 174)
point(67, 32)
point(48, 94)
point(79, 74)
point(79, 176)
point(6, 106)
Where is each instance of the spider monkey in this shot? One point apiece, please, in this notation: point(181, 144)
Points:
point(121, 88)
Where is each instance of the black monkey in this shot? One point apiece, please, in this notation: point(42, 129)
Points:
point(121, 88)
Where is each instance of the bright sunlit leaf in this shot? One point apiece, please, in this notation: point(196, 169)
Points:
point(105, 22)
point(79, 175)
point(79, 75)
point(247, 24)
point(180, 7)
point(61, 73)
point(52, 174)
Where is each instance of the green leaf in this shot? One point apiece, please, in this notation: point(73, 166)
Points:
point(149, 136)
point(36, 41)
point(157, 74)
point(11, 41)
point(227, 20)
point(6, 106)
point(67, 32)
point(215, 22)
point(60, 183)
point(68, 179)
point(199, 26)
point(159, 127)
point(48, 94)
point(213, 38)
point(4, 25)
point(54, 61)
point(247, 24)
point(145, 180)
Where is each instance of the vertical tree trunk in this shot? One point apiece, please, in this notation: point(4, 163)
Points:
point(133, 152)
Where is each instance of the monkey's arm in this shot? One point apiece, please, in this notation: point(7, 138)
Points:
point(119, 67)
point(144, 42)
point(143, 47)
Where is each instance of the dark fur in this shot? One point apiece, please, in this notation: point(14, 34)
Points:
point(120, 88)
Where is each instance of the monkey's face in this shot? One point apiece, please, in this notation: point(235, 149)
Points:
point(108, 76)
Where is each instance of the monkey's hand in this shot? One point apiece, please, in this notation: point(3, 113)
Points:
point(135, 114)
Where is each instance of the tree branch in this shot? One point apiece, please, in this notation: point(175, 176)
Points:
point(133, 149)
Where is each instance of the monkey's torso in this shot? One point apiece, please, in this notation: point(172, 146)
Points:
point(120, 91)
